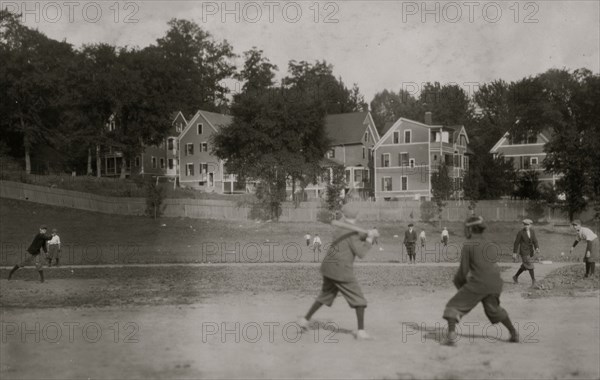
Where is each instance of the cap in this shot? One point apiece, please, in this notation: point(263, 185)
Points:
point(410, 224)
point(576, 222)
point(43, 227)
point(474, 220)
point(54, 230)
point(350, 210)
point(527, 221)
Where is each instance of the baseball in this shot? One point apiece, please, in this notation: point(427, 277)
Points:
point(562, 253)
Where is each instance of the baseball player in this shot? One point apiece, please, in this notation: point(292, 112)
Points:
point(54, 248)
point(410, 241)
point(526, 244)
point(307, 238)
point(422, 239)
point(591, 250)
point(338, 271)
point(477, 280)
point(37, 245)
point(445, 236)
point(317, 244)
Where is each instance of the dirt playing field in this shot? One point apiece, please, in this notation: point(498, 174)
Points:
point(169, 313)
point(237, 321)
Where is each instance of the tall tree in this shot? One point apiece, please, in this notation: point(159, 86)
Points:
point(274, 135)
point(31, 74)
point(441, 189)
point(388, 106)
point(198, 65)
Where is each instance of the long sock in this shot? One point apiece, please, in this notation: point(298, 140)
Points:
point(508, 324)
point(313, 309)
point(12, 271)
point(521, 270)
point(41, 276)
point(360, 317)
point(532, 275)
point(451, 325)
point(592, 268)
point(587, 268)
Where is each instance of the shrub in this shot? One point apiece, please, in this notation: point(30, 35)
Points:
point(535, 210)
point(155, 195)
point(428, 211)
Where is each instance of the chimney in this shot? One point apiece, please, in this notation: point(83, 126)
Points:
point(428, 118)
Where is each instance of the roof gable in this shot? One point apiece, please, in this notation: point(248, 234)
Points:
point(349, 128)
point(215, 120)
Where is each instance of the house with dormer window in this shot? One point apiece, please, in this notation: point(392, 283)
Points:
point(410, 151)
point(525, 152)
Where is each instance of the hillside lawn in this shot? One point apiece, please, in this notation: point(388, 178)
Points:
point(95, 238)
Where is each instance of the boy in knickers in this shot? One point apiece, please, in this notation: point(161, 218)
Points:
point(34, 253)
point(338, 272)
point(477, 280)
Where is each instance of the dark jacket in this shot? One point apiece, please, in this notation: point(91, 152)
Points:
point(338, 263)
point(410, 237)
point(478, 271)
point(39, 242)
point(524, 245)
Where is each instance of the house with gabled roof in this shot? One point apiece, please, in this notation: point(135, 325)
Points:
point(199, 168)
point(410, 151)
point(525, 152)
point(155, 160)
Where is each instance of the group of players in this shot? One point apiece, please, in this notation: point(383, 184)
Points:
point(477, 279)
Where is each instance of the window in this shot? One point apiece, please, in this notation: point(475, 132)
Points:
point(404, 183)
point(455, 160)
point(407, 136)
point(367, 178)
point(162, 163)
point(386, 183)
point(331, 153)
point(441, 137)
point(525, 162)
point(204, 147)
point(189, 169)
point(411, 162)
point(385, 160)
point(347, 175)
point(203, 168)
point(466, 163)
point(171, 164)
point(137, 162)
point(366, 138)
point(199, 128)
point(358, 175)
point(396, 137)
point(534, 161)
point(435, 157)
point(364, 153)
point(448, 159)
point(403, 159)
point(153, 162)
point(170, 144)
point(178, 127)
point(531, 138)
point(189, 149)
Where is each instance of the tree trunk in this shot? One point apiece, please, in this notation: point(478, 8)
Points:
point(26, 144)
point(89, 161)
point(98, 162)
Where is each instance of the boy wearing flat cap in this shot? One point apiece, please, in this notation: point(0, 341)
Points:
point(410, 241)
point(526, 245)
point(477, 280)
point(38, 244)
point(592, 251)
point(338, 271)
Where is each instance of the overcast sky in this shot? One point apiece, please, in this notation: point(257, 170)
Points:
point(376, 44)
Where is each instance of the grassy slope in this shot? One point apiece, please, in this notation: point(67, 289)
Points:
point(91, 238)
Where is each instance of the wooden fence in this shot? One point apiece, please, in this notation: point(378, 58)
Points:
point(306, 212)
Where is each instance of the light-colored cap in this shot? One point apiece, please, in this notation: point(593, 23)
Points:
point(527, 221)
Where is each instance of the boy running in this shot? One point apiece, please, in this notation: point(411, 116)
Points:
point(592, 251)
point(37, 245)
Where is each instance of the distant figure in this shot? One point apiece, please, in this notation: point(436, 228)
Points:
point(375, 238)
point(317, 244)
point(307, 237)
point(445, 237)
point(526, 245)
point(38, 244)
point(477, 280)
point(410, 241)
point(422, 238)
point(592, 251)
point(54, 248)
